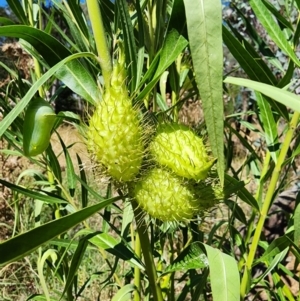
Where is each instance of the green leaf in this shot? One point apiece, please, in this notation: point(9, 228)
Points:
point(252, 63)
point(173, 46)
point(125, 293)
point(242, 193)
point(129, 42)
point(178, 19)
point(112, 245)
point(54, 164)
point(71, 176)
point(277, 246)
point(273, 264)
point(272, 28)
point(224, 275)
point(269, 126)
point(76, 260)
point(204, 24)
point(297, 225)
point(41, 298)
point(285, 97)
point(23, 244)
point(280, 19)
point(19, 108)
point(84, 192)
point(6, 21)
point(18, 10)
point(192, 257)
point(248, 59)
point(33, 194)
point(237, 211)
point(72, 74)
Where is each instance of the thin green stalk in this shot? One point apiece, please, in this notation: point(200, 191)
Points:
point(151, 24)
point(137, 271)
point(100, 39)
point(147, 253)
point(37, 67)
point(267, 203)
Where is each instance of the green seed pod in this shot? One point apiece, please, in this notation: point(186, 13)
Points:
point(177, 147)
point(38, 123)
point(165, 196)
point(115, 136)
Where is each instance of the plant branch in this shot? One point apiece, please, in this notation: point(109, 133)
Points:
point(100, 40)
point(147, 252)
point(267, 202)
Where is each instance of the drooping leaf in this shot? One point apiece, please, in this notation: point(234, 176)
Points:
point(19, 108)
point(72, 74)
point(125, 293)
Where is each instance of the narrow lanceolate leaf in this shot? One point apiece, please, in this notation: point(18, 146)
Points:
point(269, 124)
point(297, 226)
point(204, 23)
point(73, 73)
point(173, 46)
point(25, 243)
point(285, 97)
point(33, 194)
point(13, 114)
point(272, 28)
point(224, 275)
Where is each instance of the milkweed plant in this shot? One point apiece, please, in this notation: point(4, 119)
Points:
point(175, 203)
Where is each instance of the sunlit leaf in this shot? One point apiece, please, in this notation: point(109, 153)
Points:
point(285, 97)
point(204, 24)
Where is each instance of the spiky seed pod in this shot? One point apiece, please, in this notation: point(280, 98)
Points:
point(177, 147)
point(38, 123)
point(115, 136)
point(165, 196)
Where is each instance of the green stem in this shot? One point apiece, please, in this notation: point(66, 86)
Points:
point(137, 271)
point(100, 40)
point(147, 252)
point(37, 67)
point(266, 205)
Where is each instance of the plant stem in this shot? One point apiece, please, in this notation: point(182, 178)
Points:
point(147, 252)
point(37, 67)
point(266, 205)
point(137, 271)
point(100, 40)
